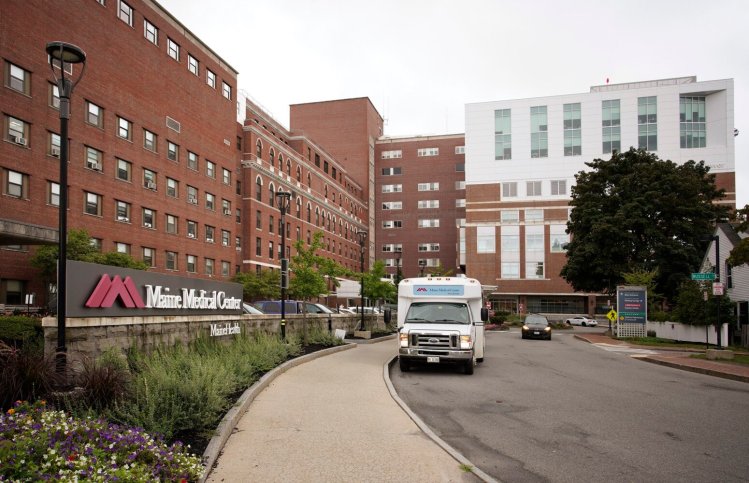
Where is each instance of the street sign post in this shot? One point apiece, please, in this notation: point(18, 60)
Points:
point(703, 276)
point(718, 288)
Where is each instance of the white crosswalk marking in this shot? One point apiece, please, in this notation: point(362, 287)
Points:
point(624, 349)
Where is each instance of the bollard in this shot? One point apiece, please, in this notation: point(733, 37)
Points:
point(330, 324)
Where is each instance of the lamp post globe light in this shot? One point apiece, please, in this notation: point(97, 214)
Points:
point(61, 53)
point(284, 198)
point(362, 236)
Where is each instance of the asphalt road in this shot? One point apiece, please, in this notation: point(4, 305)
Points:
point(565, 410)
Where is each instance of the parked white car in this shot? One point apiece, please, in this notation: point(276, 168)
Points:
point(367, 310)
point(582, 320)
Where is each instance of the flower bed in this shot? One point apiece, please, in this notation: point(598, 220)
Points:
point(40, 444)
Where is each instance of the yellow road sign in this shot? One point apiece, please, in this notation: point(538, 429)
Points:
point(611, 315)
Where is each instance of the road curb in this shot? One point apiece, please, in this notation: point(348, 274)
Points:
point(231, 418)
point(371, 341)
point(698, 370)
point(427, 430)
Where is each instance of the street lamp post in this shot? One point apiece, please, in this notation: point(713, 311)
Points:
point(397, 269)
point(362, 235)
point(63, 53)
point(422, 264)
point(284, 198)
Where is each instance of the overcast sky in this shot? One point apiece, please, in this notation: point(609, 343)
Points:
point(421, 61)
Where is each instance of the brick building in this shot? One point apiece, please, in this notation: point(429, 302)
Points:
point(420, 203)
point(522, 156)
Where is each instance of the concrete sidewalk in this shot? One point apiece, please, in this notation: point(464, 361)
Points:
point(333, 419)
point(679, 359)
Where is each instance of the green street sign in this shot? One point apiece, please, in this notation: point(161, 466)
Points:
point(703, 276)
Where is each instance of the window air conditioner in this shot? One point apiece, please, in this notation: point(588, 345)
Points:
point(147, 225)
point(227, 211)
point(123, 218)
point(55, 152)
point(192, 199)
point(93, 165)
point(209, 240)
point(19, 140)
point(151, 185)
point(191, 235)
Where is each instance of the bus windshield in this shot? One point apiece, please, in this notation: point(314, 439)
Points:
point(438, 312)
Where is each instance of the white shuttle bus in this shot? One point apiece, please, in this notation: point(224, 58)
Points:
point(441, 321)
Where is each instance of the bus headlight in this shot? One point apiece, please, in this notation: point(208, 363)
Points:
point(465, 342)
point(404, 340)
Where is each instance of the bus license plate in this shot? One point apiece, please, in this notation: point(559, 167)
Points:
point(433, 359)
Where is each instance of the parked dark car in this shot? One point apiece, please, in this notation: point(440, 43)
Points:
point(536, 327)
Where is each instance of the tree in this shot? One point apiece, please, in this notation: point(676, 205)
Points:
point(79, 248)
point(440, 271)
point(691, 307)
point(637, 212)
point(740, 253)
point(644, 279)
point(265, 285)
point(375, 288)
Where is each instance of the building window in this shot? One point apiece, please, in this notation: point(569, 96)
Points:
point(192, 195)
point(53, 193)
point(392, 188)
point(509, 190)
point(226, 207)
point(125, 13)
point(93, 158)
point(502, 134)
point(485, 239)
point(539, 132)
point(210, 78)
point(558, 238)
point(192, 263)
point(534, 270)
point(192, 160)
point(270, 250)
point(92, 204)
point(225, 238)
point(209, 264)
point(392, 205)
point(393, 247)
point(572, 130)
point(271, 224)
point(18, 131)
point(534, 215)
point(225, 268)
point(210, 169)
point(121, 247)
point(193, 64)
point(149, 257)
point(210, 201)
point(210, 233)
point(460, 149)
point(393, 154)
point(510, 270)
point(558, 187)
point(171, 260)
point(172, 224)
point(54, 145)
point(647, 123)
point(428, 186)
point(192, 229)
point(172, 151)
point(429, 247)
point(172, 187)
point(226, 177)
point(124, 170)
point(149, 218)
point(94, 115)
point(388, 224)
point(692, 122)
point(533, 188)
point(149, 179)
point(460, 167)
point(149, 140)
point(54, 96)
point(460, 185)
point(428, 152)
point(423, 204)
point(391, 171)
point(510, 216)
point(460, 203)
point(429, 223)
point(122, 211)
point(258, 247)
point(124, 128)
point(172, 49)
point(18, 79)
point(15, 183)
point(611, 124)
point(150, 32)
point(226, 90)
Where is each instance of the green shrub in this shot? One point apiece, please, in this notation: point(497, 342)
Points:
point(26, 375)
point(660, 316)
point(319, 336)
point(104, 381)
point(21, 331)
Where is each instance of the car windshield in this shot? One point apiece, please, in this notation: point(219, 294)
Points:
point(438, 312)
point(536, 320)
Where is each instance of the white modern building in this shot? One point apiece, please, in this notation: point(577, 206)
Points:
point(522, 156)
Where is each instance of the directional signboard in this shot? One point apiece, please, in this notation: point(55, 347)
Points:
point(703, 276)
point(632, 303)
